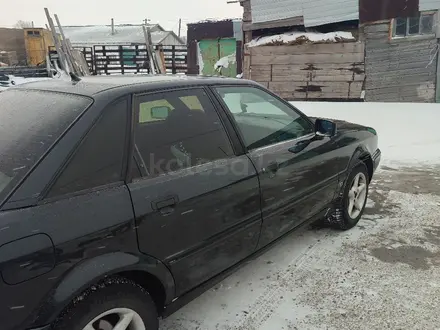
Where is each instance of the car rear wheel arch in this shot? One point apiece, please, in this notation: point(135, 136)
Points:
point(145, 271)
point(151, 284)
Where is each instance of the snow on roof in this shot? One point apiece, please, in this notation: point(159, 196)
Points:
point(102, 34)
point(296, 38)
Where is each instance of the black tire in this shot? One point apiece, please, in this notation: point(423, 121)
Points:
point(115, 292)
point(340, 218)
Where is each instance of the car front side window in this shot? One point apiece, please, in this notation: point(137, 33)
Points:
point(177, 130)
point(262, 119)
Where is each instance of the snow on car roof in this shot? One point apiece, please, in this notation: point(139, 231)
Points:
point(92, 85)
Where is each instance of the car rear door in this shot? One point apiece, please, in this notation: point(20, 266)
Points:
point(298, 170)
point(197, 204)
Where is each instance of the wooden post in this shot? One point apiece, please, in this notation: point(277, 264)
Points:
point(153, 50)
point(104, 53)
point(69, 57)
point(147, 36)
point(438, 76)
point(247, 63)
point(56, 41)
point(121, 56)
point(173, 59)
point(162, 59)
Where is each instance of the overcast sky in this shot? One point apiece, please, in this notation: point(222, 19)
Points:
point(90, 12)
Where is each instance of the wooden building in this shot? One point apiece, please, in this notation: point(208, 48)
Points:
point(37, 43)
point(303, 52)
point(402, 47)
point(12, 48)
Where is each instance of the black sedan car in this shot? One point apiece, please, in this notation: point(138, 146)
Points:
point(122, 198)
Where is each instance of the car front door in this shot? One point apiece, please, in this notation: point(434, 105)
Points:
point(297, 169)
point(197, 205)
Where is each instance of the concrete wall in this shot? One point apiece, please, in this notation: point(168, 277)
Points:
point(399, 70)
point(13, 40)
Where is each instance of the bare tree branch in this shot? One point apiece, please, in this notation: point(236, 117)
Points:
point(23, 24)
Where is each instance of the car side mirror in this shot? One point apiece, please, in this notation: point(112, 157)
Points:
point(325, 127)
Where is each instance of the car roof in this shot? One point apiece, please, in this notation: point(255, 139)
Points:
point(92, 85)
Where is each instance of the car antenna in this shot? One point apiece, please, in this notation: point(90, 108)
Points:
point(74, 77)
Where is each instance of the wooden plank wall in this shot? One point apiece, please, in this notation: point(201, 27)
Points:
point(401, 69)
point(309, 71)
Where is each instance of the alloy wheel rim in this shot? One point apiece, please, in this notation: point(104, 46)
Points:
point(117, 319)
point(357, 195)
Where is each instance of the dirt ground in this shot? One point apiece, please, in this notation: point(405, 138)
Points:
point(383, 274)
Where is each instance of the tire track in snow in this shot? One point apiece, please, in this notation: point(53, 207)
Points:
point(265, 305)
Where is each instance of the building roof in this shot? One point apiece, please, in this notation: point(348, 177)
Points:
point(124, 34)
point(92, 85)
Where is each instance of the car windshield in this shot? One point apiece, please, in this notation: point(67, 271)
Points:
point(30, 122)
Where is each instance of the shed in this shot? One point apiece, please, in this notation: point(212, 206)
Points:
point(12, 45)
point(215, 47)
point(37, 42)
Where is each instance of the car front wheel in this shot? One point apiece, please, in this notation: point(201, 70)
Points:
point(116, 304)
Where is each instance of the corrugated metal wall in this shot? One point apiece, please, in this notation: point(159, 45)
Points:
point(273, 10)
point(315, 12)
point(400, 70)
point(320, 12)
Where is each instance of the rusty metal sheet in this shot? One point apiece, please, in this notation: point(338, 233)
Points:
point(211, 30)
point(377, 10)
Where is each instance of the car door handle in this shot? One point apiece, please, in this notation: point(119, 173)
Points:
point(165, 205)
point(300, 146)
point(271, 169)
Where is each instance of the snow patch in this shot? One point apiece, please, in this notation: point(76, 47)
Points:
point(294, 38)
point(224, 62)
point(200, 59)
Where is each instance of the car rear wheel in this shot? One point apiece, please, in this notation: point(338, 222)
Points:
point(116, 304)
point(353, 199)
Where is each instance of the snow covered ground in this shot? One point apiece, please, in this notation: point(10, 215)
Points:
point(409, 133)
point(383, 274)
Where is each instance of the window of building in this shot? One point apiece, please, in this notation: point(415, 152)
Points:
point(177, 130)
point(100, 157)
point(33, 33)
point(263, 119)
point(419, 25)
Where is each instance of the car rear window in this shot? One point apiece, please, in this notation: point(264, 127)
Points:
point(30, 122)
